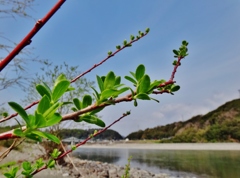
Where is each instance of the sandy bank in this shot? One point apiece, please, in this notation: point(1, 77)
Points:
point(168, 146)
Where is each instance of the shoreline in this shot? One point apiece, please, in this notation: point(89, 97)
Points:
point(168, 146)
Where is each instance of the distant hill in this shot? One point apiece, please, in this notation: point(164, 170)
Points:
point(219, 125)
point(83, 134)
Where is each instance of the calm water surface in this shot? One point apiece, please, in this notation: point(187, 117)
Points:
point(200, 164)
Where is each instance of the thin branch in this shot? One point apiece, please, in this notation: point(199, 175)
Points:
point(83, 142)
point(28, 39)
point(81, 75)
point(74, 115)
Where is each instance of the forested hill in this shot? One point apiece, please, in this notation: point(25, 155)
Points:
point(219, 125)
point(83, 134)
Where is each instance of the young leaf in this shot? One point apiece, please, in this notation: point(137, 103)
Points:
point(16, 107)
point(93, 120)
point(49, 113)
point(100, 83)
point(96, 94)
point(130, 79)
point(40, 120)
point(77, 103)
point(51, 163)
point(175, 88)
point(42, 90)
point(117, 80)
point(60, 89)
point(109, 80)
point(32, 120)
point(60, 78)
point(54, 119)
point(142, 96)
point(140, 71)
point(18, 132)
point(87, 100)
point(46, 135)
point(44, 104)
point(144, 84)
point(26, 166)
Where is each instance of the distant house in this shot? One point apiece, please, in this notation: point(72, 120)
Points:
point(71, 140)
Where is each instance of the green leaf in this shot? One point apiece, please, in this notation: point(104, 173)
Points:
point(144, 85)
point(16, 107)
point(142, 96)
point(49, 113)
point(107, 93)
point(18, 132)
point(46, 135)
point(131, 79)
point(60, 78)
point(32, 120)
point(117, 80)
point(97, 96)
point(42, 90)
point(93, 120)
point(154, 85)
point(175, 88)
point(87, 100)
point(40, 120)
point(60, 89)
point(54, 119)
point(34, 137)
point(109, 80)
point(133, 74)
point(140, 71)
point(77, 103)
point(26, 165)
point(39, 163)
point(51, 163)
point(100, 83)
point(175, 52)
point(43, 104)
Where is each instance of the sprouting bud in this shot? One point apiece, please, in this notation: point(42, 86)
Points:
point(147, 30)
point(142, 34)
point(132, 37)
point(125, 42)
point(118, 47)
point(137, 37)
point(135, 103)
point(139, 32)
point(109, 53)
point(128, 112)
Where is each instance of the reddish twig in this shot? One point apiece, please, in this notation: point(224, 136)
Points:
point(83, 142)
point(96, 65)
point(28, 39)
point(81, 75)
point(127, 98)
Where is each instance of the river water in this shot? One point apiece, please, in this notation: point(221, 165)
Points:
point(177, 163)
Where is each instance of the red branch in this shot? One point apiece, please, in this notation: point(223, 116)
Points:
point(127, 98)
point(28, 39)
point(83, 142)
point(81, 75)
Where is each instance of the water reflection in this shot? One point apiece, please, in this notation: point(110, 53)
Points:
point(176, 163)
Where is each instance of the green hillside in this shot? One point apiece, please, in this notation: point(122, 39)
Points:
point(219, 125)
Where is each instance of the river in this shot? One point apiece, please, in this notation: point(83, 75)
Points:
point(177, 163)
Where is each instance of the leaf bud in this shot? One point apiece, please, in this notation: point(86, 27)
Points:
point(109, 53)
point(132, 37)
point(118, 47)
point(125, 42)
point(147, 30)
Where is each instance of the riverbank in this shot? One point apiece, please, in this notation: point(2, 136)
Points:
point(95, 169)
point(167, 146)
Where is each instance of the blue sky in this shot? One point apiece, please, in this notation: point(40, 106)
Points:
point(82, 32)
